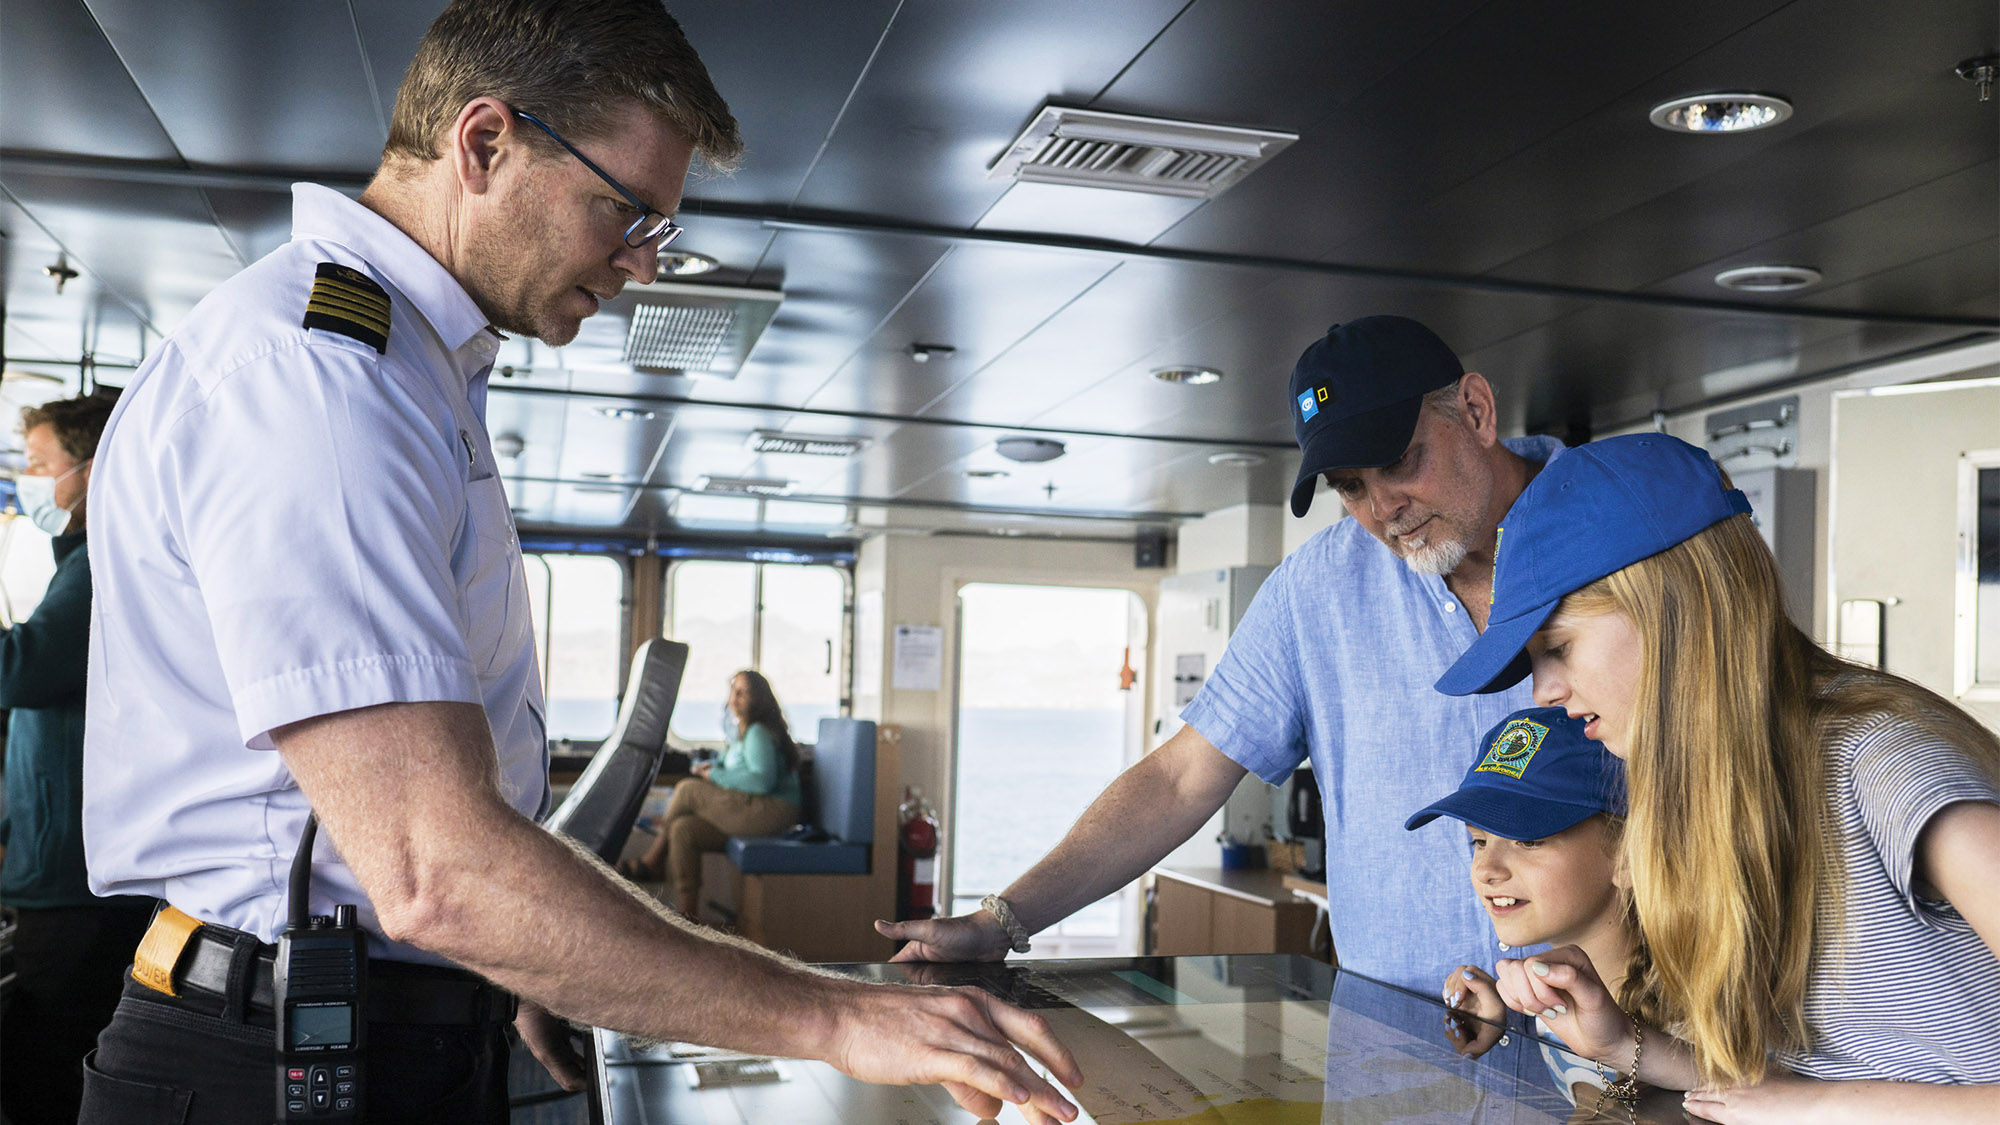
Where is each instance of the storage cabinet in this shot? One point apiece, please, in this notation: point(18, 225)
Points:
point(1205, 910)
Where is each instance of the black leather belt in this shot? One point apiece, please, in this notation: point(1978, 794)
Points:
point(398, 992)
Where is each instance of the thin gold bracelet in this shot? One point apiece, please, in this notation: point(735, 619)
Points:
point(1624, 1090)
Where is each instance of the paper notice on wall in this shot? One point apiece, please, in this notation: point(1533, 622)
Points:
point(919, 658)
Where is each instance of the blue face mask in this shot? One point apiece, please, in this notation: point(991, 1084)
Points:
point(37, 498)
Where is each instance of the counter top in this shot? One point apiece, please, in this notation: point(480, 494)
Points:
point(1262, 885)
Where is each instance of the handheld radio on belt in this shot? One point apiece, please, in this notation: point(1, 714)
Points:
point(321, 975)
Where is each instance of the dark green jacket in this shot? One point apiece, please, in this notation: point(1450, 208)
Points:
point(42, 663)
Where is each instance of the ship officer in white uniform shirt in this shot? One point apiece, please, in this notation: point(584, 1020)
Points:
point(310, 600)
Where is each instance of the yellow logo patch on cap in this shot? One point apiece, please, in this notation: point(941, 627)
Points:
point(1512, 748)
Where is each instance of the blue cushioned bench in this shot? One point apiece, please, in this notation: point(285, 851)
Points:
point(839, 800)
point(817, 900)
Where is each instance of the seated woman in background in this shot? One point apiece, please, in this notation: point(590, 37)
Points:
point(752, 790)
point(1814, 846)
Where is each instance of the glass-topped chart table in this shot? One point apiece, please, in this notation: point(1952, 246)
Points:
point(1235, 1040)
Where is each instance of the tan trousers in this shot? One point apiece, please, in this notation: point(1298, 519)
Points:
point(702, 816)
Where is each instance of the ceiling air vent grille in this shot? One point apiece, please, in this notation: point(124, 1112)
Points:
point(812, 445)
point(677, 336)
point(743, 486)
point(681, 329)
point(1089, 148)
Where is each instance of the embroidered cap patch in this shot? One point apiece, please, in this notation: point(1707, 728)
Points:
point(1512, 748)
point(349, 302)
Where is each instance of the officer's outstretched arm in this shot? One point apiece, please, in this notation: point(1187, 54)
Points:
point(410, 795)
point(1144, 814)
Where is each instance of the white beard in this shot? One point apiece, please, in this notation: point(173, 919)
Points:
point(1439, 557)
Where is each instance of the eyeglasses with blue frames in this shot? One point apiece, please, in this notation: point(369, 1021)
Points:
point(650, 228)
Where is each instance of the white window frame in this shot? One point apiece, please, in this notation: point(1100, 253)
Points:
point(844, 664)
point(1965, 663)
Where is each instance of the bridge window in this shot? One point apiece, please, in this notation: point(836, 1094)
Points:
point(785, 620)
point(579, 612)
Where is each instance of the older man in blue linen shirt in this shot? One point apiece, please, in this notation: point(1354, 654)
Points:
point(311, 600)
point(1334, 663)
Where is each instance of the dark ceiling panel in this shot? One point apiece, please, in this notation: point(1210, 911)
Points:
point(980, 300)
point(1495, 83)
point(839, 288)
point(1444, 137)
point(277, 85)
point(1252, 324)
point(952, 84)
point(254, 222)
point(1908, 227)
point(1276, 66)
point(786, 80)
point(155, 251)
point(1964, 278)
point(390, 31)
point(1860, 75)
point(65, 90)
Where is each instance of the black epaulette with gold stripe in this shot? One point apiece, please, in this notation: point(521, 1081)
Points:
point(349, 302)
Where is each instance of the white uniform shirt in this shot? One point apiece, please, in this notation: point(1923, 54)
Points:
point(286, 523)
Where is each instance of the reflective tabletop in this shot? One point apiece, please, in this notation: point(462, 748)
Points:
point(1242, 1040)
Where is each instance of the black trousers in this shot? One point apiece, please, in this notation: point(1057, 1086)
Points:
point(166, 1060)
point(68, 964)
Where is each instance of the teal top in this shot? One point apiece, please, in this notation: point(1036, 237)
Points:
point(42, 664)
point(752, 764)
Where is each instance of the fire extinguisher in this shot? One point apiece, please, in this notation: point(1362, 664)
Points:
point(917, 844)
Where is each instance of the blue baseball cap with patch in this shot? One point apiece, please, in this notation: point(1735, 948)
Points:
point(1536, 775)
point(1596, 509)
point(1356, 393)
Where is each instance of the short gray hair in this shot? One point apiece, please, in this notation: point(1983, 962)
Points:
point(1444, 400)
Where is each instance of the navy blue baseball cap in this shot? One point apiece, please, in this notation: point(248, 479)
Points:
point(1536, 775)
point(1591, 511)
point(1356, 393)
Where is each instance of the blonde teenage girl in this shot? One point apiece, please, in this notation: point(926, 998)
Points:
point(1814, 846)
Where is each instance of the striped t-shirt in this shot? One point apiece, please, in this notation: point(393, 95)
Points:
point(1902, 988)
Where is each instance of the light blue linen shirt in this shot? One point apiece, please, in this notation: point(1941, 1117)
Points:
point(1335, 662)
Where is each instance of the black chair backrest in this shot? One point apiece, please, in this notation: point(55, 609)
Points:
point(604, 803)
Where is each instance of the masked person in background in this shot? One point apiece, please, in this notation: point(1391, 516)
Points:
point(72, 947)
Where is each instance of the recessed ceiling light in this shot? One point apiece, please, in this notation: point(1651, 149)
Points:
point(687, 263)
point(625, 413)
point(1720, 113)
point(1029, 449)
point(1189, 374)
point(988, 474)
point(924, 353)
point(508, 445)
point(1768, 279)
point(1236, 458)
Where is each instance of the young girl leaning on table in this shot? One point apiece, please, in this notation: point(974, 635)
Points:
point(1814, 846)
point(1545, 807)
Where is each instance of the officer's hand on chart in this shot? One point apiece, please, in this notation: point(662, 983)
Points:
point(1562, 988)
point(960, 1037)
point(977, 936)
point(1477, 1017)
point(548, 1038)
